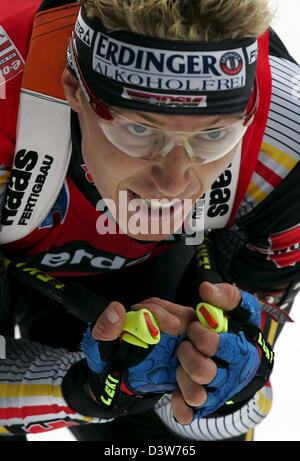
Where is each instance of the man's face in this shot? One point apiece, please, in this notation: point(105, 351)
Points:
point(175, 176)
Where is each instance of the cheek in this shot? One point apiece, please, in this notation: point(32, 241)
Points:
point(107, 165)
point(102, 167)
point(210, 172)
point(98, 158)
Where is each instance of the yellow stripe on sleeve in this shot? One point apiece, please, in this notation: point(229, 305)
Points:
point(264, 403)
point(3, 430)
point(249, 436)
point(34, 390)
point(256, 193)
point(279, 156)
point(272, 332)
point(29, 390)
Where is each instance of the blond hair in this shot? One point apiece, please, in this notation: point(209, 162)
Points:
point(190, 20)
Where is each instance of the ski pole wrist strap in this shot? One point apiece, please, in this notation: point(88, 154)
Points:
point(113, 392)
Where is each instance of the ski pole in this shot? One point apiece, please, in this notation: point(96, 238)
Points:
point(210, 316)
point(73, 296)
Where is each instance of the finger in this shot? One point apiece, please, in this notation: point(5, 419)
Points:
point(167, 322)
point(221, 295)
point(181, 412)
point(172, 318)
point(110, 323)
point(200, 368)
point(193, 394)
point(204, 340)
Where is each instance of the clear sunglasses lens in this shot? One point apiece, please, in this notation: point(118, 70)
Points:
point(215, 144)
point(139, 141)
point(129, 139)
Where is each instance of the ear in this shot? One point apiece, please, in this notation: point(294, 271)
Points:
point(71, 86)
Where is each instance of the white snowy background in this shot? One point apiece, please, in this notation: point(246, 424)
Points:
point(282, 424)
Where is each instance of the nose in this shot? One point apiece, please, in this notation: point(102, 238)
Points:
point(173, 174)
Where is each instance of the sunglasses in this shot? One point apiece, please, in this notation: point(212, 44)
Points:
point(146, 142)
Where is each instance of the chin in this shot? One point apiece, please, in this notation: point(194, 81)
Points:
point(153, 230)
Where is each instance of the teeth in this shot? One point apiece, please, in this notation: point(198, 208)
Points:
point(158, 204)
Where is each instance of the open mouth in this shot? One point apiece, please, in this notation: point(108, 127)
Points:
point(143, 215)
point(157, 204)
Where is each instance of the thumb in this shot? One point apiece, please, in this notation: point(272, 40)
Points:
point(110, 323)
point(221, 295)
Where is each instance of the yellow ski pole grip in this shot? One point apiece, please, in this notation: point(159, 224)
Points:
point(140, 329)
point(212, 317)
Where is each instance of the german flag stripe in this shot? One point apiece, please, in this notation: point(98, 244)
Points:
point(256, 193)
point(279, 156)
point(37, 410)
point(29, 390)
point(267, 174)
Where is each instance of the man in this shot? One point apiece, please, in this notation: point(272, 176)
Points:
point(171, 111)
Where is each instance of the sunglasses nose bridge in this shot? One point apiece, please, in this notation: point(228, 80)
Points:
point(176, 139)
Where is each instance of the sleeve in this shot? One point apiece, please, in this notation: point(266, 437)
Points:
point(9, 102)
point(219, 427)
point(43, 389)
point(33, 397)
point(261, 251)
point(262, 248)
point(261, 254)
point(15, 32)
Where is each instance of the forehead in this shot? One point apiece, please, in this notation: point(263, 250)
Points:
point(178, 122)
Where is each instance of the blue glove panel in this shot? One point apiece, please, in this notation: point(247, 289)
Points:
point(157, 372)
point(90, 347)
point(250, 304)
point(243, 362)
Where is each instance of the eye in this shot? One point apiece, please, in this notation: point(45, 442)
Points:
point(138, 130)
point(215, 135)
